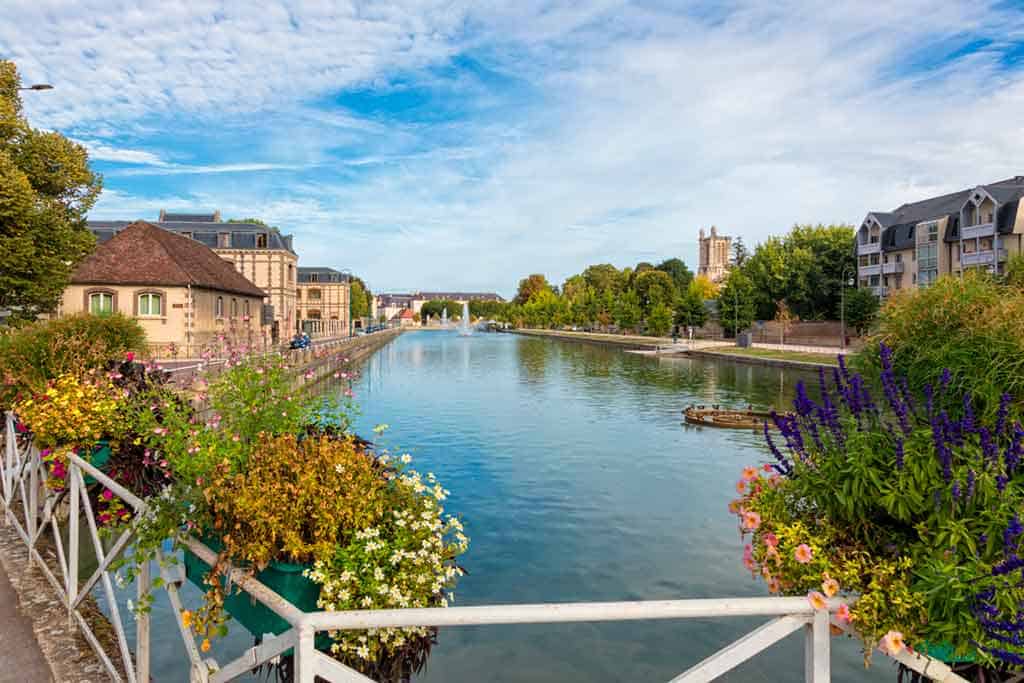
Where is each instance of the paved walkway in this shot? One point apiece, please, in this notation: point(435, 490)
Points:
point(21, 660)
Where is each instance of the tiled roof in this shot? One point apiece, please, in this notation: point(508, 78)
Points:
point(322, 273)
point(143, 254)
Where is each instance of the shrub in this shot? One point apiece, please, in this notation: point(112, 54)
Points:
point(972, 326)
point(908, 502)
point(31, 356)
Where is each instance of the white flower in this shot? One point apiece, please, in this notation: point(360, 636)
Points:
point(363, 652)
point(339, 468)
point(406, 458)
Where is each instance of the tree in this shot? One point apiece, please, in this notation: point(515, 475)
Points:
point(784, 317)
point(736, 302)
point(1015, 272)
point(690, 310)
point(654, 287)
point(703, 287)
point(739, 253)
point(256, 221)
point(604, 277)
point(627, 310)
point(677, 270)
point(529, 286)
point(46, 189)
point(861, 309)
point(359, 299)
point(659, 322)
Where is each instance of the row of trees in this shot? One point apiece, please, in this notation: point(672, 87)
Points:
point(799, 276)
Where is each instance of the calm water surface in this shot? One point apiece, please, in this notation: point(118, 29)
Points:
point(576, 481)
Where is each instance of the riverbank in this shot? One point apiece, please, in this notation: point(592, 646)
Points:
point(772, 355)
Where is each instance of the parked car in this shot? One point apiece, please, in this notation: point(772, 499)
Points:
point(300, 341)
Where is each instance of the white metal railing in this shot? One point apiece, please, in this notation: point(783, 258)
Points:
point(868, 271)
point(982, 230)
point(869, 247)
point(31, 509)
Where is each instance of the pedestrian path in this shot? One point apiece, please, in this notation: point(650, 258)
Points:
point(21, 660)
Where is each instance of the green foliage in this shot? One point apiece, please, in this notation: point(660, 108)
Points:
point(803, 268)
point(531, 286)
point(690, 310)
point(37, 353)
point(861, 308)
point(659, 322)
point(1014, 275)
point(974, 326)
point(736, 302)
point(739, 252)
point(654, 288)
point(360, 298)
point(627, 312)
point(604, 277)
point(46, 189)
point(703, 287)
point(677, 270)
point(487, 310)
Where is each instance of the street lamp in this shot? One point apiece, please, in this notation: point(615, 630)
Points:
point(38, 86)
point(842, 310)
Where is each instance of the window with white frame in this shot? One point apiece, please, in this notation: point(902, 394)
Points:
point(101, 303)
point(150, 303)
point(219, 309)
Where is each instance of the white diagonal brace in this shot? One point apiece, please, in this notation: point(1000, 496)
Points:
point(336, 672)
point(254, 656)
point(741, 650)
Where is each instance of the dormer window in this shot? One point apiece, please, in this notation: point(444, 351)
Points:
point(224, 240)
point(261, 240)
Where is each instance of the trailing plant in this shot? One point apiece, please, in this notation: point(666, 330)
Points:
point(74, 410)
point(907, 502)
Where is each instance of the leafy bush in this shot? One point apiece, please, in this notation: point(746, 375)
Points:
point(910, 503)
point(32, 355)
point(972, 326)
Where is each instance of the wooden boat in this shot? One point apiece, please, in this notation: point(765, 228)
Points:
point(731, 418)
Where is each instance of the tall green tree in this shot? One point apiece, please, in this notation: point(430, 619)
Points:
point(736, 302)
point(739, 253)
point(659, 322)
point(690, 310)
point(627, 312)
point(360, 297)
point(677, 270)
point(861, 309)
point(654, 287)
point(604, 277)
point(46, 189)
point(531, 285)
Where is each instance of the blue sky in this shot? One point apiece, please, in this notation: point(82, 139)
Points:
point(439, 144)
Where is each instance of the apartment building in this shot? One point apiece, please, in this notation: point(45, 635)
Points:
point(261, 253)
point(912, 245)
point(324, 296)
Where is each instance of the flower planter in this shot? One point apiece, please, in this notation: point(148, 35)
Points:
point(284, 578)
point(944, 652)
point(99, 458)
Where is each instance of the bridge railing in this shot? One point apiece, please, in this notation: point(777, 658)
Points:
point(35, 510)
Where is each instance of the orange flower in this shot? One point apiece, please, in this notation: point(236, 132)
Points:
point(751, 520)
point(741, 487)
point(830, 586)
point(843, 614)
point(205, 647)
point(803, 553)
point(749, 473)
point(186, 618)
point(817, 600)
point(773, 585)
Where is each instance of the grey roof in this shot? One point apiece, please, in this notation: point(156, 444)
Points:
point(323, 274)
point(459, 296)
point(189, 217)
point(243, 235)
point(898, 224)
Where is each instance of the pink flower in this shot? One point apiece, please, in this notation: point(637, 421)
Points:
point(770, 540)
point(843, 614)
point(107, 494)
point(803, 553)
point(766, 467)
point(773, 585)
point(751, 520)
point(892, 643)
point(749, 473)
point(830, 586)
point(741, 487)
point(817, 600)
point(130, 356)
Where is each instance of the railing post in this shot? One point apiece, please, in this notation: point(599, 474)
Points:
point(817, 643)
point(73, 524)
point(142, 629)
point(305, 662)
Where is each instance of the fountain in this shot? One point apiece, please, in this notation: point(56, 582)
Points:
point(444, 318)
point(464, 329)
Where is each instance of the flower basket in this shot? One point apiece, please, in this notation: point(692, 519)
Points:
point(284, 578)
point(99, 458)
point(944, 652)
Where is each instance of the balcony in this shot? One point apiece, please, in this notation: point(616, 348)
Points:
point(869, 247)
point(983, 230)
point(981, 258)
point(879, 291)
point(868, 271)
point(892, 268)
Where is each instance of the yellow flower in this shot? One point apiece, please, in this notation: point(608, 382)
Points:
point(830, 586)
point(817, 600)
point(186, 618)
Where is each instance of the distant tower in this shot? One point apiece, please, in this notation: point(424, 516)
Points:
point(714, 255)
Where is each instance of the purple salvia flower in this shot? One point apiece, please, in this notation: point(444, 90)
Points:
point(1012, 531)
point(988, 447)
point(1008, 565)
point(783, 466)
point(899, 453)
point(1011, 457)
point(908, 397)
point(802, 403)
point(971, 480)
point(929, 396)
point(1000, 482)
point(968, 421)
point(942, 449)
point(944, 380)
point(956, 490)
point(1004, 409)
point(842, 369)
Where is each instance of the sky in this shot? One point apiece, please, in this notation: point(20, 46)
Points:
point(450, 145)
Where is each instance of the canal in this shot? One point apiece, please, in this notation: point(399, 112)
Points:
point(576, 481)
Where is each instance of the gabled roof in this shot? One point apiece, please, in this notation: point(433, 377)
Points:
point(243, 235)
point(322, 273)
point(144, 254)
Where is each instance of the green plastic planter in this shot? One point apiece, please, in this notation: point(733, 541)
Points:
point(99, 458)
point(284, 578)
point(944, 652)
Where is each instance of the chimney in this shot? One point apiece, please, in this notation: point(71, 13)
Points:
point(216, 216)
point(714, 231)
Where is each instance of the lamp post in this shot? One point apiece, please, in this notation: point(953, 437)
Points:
point(842, 310)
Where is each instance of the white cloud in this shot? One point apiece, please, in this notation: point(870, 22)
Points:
point(103, 152)
point(626, 127)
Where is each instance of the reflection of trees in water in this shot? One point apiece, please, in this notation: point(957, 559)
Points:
point(533, 359)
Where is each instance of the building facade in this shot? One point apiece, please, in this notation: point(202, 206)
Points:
point(713, 261)
point(260, 253)
point(914, 244)
point(323, 301)
point(392, 304)
point(182, 294)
